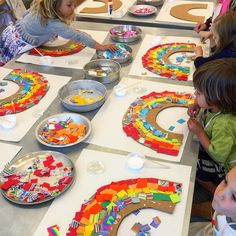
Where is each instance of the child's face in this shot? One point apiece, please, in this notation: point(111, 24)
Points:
point(67, 8)
point(224, 201)
point(215, 35)
point(201, 100)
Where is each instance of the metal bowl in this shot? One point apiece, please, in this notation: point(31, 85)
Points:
point(86, 89)
point(21, 165)
point(112, 68)
point(101, 54)
point(155, 3)
point(133, 10)
point(118, 33)
point(63, 117)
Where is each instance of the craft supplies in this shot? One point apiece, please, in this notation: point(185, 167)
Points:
point(45, 60)
point(36, 177)
point(139, 121)
point(120, 90)
point(63, 130)
point(157, 60)
point(96, 167)
point(8, 121)
point(110, 7)
point(135, 161)
point(142, 10)
point(105, 210)
point(32, 88)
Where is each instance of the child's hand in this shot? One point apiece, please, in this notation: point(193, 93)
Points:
point(195, 127)
point(110, 47)
point(200, 27)
point(198, 51)
point(204, 35)
point(193, 110)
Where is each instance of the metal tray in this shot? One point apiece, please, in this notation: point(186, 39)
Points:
point(111, 66)
point(102, 54)
point(118, 33)
point(26, 165)
point(135, 8)
point(63, 117)
point(86, 89)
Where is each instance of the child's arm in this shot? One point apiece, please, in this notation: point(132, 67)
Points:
point(193, 109)
point(195, 127)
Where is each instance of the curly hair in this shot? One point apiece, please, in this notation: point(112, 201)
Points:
point(217, 81)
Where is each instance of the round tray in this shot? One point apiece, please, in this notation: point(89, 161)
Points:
point(79, 119)
point(133, 10)
point(102, 54)
point(155, 3)
point(119, 33)
point(26, 166)
point(86, 90)
point(111, 67)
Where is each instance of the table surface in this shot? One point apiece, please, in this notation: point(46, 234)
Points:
point(23, 220)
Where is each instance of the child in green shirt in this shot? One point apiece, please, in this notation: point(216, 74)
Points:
point(215, 84)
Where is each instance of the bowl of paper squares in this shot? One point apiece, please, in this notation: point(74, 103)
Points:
point(122, 55)
point(102, 70)
point(142, 10)
point(82, 95)
point(125, 33)
point(63, 130)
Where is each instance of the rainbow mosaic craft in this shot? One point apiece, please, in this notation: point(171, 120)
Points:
point(105, 210)
point(139, 122)
point(32, 88)
point(157, 61)
point(67, 49)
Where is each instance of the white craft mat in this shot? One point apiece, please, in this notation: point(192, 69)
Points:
point(164, 14)
point(62, 210)
point(115, 14)
point(26, 119)
point(150, 41)
point(8, 152)
point(107, 124)
point(76, 61)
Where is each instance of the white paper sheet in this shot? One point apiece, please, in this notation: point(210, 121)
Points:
point(26, 119)
point(150, 41)
point(76, 61)
point(107, 124)
point(164, 14)
point(94, 4)
point(8, 152)
point(62, 210)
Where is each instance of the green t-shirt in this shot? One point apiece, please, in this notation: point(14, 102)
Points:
point(221, 130)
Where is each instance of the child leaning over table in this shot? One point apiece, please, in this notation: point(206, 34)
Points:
point(224, 34)
point(224, 205)
point(215, 91)
point(45, 20)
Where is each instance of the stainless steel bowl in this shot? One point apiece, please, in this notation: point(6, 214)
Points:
point(112, 68)
point(155, 3)
point(98, 90)
point(117, 33)
point(100, 54)
point(62, 117)
point(134, 8)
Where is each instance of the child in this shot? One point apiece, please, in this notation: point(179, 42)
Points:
point(220, 7)
point(45, 20)
point(224, 205)
point(215, 84)
point(224, 35)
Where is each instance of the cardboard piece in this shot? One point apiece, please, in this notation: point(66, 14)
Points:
point(182, 12)
point(103, 9)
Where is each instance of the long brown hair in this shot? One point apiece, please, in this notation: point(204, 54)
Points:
point(225, 26)
point(217, 81)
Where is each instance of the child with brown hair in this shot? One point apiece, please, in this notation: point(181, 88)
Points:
point(224, 34)
point(224, 205)
point(45, 20)
point(215, 85)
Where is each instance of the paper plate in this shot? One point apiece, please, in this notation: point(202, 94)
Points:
point(36, 177)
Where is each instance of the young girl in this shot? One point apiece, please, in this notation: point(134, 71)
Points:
point(224, 205)
point(45, 20)
point(215, 84)
point(224, 34)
